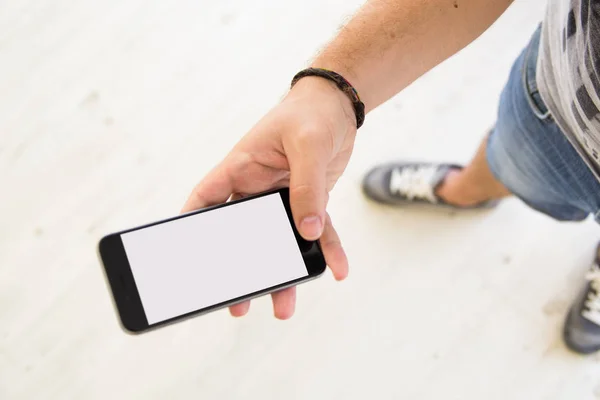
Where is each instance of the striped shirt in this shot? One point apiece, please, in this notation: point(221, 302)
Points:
point(568, 73)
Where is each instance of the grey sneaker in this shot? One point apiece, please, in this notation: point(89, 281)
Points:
point(404, 183)
point(582, 327)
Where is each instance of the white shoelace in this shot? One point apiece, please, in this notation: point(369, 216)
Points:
point(414, 183)
point(592, 303)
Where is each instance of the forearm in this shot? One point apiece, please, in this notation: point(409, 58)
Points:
point(390, 43)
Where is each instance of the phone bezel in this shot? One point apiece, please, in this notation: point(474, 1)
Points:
point(124, 290)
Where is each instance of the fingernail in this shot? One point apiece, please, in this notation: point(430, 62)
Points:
point(311, 227)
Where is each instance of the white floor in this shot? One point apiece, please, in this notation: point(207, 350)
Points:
point(110, 111)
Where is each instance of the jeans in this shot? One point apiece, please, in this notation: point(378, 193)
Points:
point(531, 156)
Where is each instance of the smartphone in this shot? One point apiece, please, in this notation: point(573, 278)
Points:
point(207, 259)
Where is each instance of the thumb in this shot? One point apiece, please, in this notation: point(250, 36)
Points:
point(308, 193)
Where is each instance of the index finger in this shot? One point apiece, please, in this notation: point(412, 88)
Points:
point(215, 188)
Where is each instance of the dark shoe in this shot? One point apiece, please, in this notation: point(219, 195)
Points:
point(582, 327)
point(404, 183)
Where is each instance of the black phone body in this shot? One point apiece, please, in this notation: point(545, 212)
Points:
point(207, 259)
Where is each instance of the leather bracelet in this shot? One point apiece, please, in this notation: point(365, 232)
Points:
point(342, 84)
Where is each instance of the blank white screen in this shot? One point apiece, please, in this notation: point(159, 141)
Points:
point(204, 259)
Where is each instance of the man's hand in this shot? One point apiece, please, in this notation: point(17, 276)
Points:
point(305, 143)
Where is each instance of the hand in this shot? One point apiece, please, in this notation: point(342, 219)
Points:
point(304, 143)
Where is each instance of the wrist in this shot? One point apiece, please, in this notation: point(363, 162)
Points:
point(341, 68)
point(316, 88)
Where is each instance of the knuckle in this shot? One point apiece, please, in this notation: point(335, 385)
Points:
point(199, 193)
point(308, 136)
point(238, 162)
point(332, 244)
point(331, 241)
point(303, 192)
point(304, 138)
point(237, 167)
